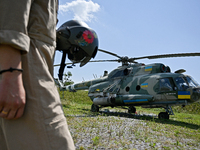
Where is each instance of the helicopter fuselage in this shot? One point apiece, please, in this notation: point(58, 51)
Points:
point(149, 86)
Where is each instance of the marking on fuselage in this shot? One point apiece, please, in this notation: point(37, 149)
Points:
point(135, 101)
point(183, 94)
point(149, 68)
point(144, 85)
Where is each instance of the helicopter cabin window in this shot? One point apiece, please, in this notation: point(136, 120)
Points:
point(165, 85)
point(181, 84)
point(120, 73)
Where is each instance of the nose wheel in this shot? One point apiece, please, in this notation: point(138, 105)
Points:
point(131, 109)
point(163, 115)
point(94, 108)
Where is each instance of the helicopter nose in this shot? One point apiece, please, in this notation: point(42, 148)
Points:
point(196, 95)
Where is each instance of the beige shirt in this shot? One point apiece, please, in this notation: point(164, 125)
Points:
point(21, 20)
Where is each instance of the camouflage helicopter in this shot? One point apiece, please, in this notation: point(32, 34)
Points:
point(136, 84)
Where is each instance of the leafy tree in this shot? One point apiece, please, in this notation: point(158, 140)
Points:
point(67, 80)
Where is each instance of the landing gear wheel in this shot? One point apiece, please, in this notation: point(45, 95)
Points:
point(94, 108)
point(131, 109)
point(163, 115)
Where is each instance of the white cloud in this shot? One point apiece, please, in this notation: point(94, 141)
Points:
point(83, 10)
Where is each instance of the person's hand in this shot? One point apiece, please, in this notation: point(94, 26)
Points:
point(12, 95)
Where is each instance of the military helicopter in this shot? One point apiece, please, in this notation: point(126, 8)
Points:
point(136, 84)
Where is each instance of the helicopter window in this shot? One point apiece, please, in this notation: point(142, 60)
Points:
point(127, 71)
point(118, 74)
point(165, 85)
point(137, 87)
point(191, 82)
point(121, 73)
point(127, 89)
point(181, 84)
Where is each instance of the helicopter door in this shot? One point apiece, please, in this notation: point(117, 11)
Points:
point(165, 85)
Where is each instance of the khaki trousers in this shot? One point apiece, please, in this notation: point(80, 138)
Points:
point(43, 125)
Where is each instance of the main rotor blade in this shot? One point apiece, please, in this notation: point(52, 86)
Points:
point(132, 60)
point(109, 53)
point(167, 56)
point(56, 65)
point(65, 64)
point(115, 60)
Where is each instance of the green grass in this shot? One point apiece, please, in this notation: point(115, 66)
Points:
point(75, 103)
point(183, 125)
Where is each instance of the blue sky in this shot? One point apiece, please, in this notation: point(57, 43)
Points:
point(137, 28)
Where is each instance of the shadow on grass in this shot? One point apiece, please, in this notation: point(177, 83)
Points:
point(151, 118)
point(88, 113)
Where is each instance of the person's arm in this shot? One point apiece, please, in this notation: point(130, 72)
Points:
point(12, 93)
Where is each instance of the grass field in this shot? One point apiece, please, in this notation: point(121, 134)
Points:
point(181, 131)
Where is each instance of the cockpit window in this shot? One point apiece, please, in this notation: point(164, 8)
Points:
point(191, 82)
point(165, 85)
point(120, 73)
point(127, 71)
point(181, 84)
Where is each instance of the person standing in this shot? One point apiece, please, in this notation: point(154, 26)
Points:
point(31, 115)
